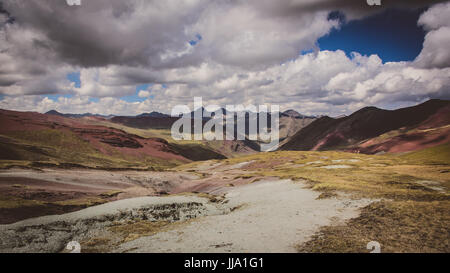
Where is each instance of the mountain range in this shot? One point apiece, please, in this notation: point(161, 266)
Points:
point(121, 141)
point(374, 130)
point(56, 113)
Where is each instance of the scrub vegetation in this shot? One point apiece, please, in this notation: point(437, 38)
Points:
point(413, 208)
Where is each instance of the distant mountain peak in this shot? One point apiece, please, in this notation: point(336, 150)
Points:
point(154, 115)
point(54, 112)
point(294, 114)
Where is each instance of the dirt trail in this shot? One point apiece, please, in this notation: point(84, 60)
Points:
point(273, 216)
point(267, 216)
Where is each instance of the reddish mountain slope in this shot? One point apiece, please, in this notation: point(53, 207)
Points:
point(432, 132)
point(348, 132)
point(33, 127)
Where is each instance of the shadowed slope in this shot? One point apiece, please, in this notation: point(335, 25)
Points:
point(327, 133)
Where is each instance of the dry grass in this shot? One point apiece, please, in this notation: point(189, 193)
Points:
point(110, 194)
point(133, 230)
point(122, 232)
point(11, 202)
point(96, 245)
point(383, 176)
point(399, 226)
point(83, 202)
point(414, 215)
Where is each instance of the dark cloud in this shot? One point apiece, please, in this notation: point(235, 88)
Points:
point(353, 8)
point(144, 33)
point(101, 32)
point(5, 16)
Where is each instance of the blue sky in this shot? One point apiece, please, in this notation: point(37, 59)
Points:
point(393, 35)
point(135, 97)
point(75, 78)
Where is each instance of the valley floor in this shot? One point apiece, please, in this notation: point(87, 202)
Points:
point(266, 216)
point(275, 202)
point(270, 216)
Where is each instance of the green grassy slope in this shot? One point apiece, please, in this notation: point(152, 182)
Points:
point(65, 149)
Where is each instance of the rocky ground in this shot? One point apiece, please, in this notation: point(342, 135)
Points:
point(276, 202)
point(32, 193)
point(210, 208)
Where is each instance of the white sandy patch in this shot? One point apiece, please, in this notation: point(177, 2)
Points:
point(346, 160)
point(353, 160)
point(433, 185)
point(314, 162)
point(332, 167)
point(238, 165)
point(274, 217)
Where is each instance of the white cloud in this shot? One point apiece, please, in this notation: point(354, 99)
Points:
point(79, 105)
point(248, 53)
point(247, 36)
point(435, 51)
point(326, 82)
point(436, 17)
point(144, 94)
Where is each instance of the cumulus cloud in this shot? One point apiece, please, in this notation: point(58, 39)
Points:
point(138, 39)
point(328, 81)
point(144, 94)
point(315, 83)
point(228, 52)
point(157, 33)
point(435, 51)
point(79, 105)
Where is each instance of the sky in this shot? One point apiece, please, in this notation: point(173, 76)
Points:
point(402, 40)
point(315, 56)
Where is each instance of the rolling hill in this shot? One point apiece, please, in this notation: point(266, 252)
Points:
point(373, 130)
point(28, 138)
